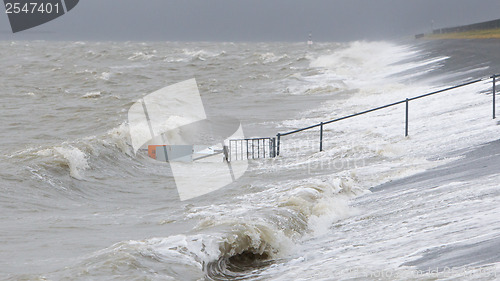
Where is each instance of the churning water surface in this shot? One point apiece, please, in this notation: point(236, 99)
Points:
point(77, 203)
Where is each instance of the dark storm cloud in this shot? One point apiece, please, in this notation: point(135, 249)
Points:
point(259, 20)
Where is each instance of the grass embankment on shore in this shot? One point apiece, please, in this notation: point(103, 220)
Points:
point(475, 34)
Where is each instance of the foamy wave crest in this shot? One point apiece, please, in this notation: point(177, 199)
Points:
point(120, 138)
point(91, 95)
point(374, 58)
point(67, 155)
point(201, 55)
point(185, 255)
point(271, 57)
point(105, 76)
point(146, 259)
point(75, 159)
point(141, 56)
point(374, 66)
point(111, 150)
point(230, 241)
point(289, 211)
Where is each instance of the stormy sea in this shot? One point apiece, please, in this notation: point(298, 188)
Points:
point(78, 203)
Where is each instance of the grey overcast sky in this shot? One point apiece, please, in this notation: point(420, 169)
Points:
point(255, 20)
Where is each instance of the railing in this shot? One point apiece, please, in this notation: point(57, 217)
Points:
point(254, 148)
point(405, 101)
point(240, 149)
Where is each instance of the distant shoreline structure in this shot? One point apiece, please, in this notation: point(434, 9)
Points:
point(309, 40)
point(482, 30)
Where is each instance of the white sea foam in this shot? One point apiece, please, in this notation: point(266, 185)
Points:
point(119, 137)
point(141, 56)
point(105, 76)
point(94, 94)
point(373, 67)
point(201, 55)
point(380, 135)
point(75, 159)
point(309, 218)
point(432, 120)
point(271, 57)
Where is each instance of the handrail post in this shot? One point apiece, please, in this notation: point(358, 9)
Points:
point(253, 149)
point(494, 93)
point(264, 147)
point(278, 145)
point(406, 125)
point(321, 137)
point(274, 147)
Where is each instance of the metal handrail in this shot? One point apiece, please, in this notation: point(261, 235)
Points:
point(406, 101)
point(247, 148)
